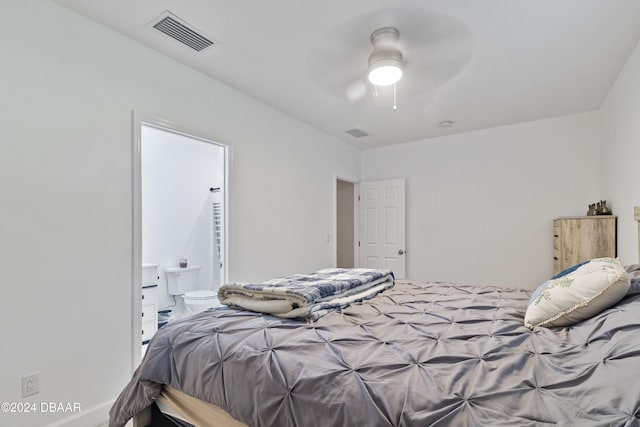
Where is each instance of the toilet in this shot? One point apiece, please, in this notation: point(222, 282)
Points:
point(183, 284)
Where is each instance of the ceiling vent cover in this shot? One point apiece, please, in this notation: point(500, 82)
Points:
point(179, 30)
point(356, 133)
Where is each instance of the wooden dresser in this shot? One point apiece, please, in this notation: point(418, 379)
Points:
point(581, 238)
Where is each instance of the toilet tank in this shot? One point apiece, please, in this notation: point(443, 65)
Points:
point(182, 280)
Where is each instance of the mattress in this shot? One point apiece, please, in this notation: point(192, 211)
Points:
point(417, 354)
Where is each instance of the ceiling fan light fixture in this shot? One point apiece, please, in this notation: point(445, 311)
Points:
point(385, 62)
point(386, 69)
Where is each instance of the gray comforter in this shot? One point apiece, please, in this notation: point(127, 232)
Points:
point(415, 355)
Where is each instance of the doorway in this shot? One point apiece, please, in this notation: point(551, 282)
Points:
point(345, 224)
point(180, 220)
point(182, 215)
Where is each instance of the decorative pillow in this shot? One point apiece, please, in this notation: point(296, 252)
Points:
point(577, 293)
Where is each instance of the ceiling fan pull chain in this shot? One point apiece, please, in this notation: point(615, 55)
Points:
point(395, 105)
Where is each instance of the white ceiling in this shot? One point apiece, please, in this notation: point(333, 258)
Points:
point(478, 63)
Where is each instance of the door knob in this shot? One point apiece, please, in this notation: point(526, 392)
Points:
point(400, 252)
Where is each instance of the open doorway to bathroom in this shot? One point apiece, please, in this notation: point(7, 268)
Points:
point(180, 241)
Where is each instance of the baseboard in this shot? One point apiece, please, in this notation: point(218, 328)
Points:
point(94, 416)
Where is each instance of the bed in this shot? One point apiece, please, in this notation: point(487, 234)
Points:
point(418, 354)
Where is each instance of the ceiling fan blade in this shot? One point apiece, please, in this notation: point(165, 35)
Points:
point(356, 91)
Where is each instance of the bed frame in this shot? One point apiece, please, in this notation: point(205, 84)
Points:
point(158, 419)
point(152, 416)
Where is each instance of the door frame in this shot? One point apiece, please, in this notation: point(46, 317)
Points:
point(139, 119)
point(356, 218)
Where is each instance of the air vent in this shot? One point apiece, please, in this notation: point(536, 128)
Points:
point(357, 133)
point(179, 30)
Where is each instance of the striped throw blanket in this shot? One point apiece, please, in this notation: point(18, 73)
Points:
point(307, 296)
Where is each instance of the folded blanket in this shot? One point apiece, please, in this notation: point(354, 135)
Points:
point(308, 296)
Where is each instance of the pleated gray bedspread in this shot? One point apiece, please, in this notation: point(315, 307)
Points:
point(418, 354)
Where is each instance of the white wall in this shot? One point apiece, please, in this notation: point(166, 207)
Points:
point(480, 205)
point(620, 154)
point(177, 206)
point(68, 88)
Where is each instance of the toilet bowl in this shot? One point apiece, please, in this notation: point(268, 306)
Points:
point(198, 301)
point(183, 284)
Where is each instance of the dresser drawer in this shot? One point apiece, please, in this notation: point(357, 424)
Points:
point(149, 313)
point(148, 329)
point(150, 295)
point(150, 274)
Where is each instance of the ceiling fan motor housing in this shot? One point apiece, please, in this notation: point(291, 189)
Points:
point(385, 57)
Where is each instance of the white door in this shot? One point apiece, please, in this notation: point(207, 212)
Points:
point(382, 227)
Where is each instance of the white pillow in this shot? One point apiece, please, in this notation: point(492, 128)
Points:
point(577, 295)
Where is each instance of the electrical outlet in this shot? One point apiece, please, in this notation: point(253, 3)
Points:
point(31, 384)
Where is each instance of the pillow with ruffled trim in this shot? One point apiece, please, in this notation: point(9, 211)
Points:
point(580, 293)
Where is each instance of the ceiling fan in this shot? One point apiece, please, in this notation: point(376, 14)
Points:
point(407, 53)
point(385, 65)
